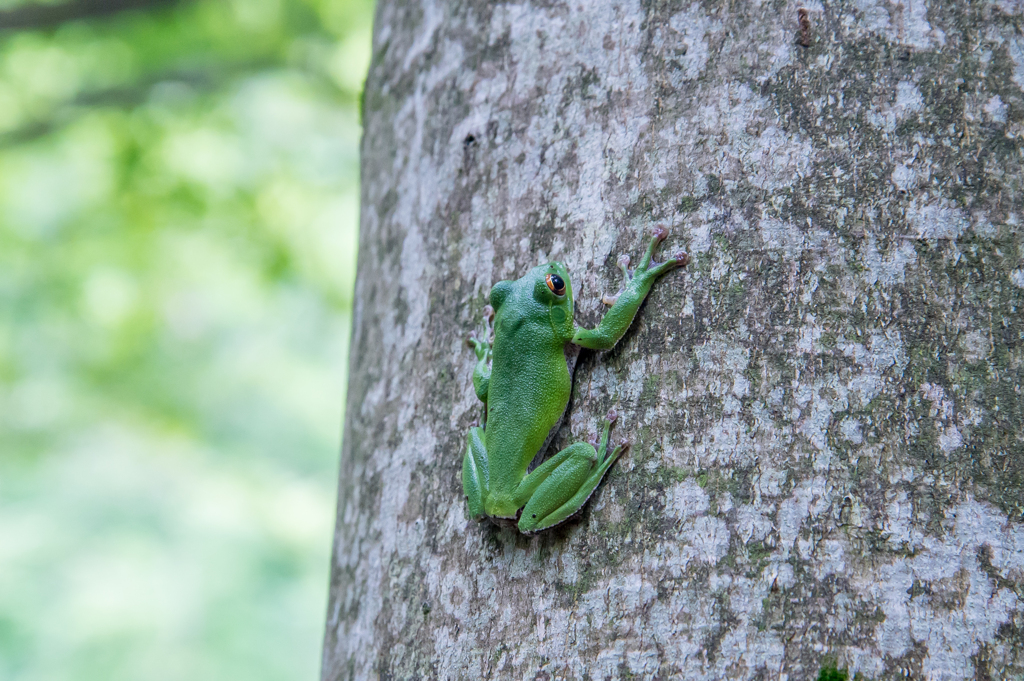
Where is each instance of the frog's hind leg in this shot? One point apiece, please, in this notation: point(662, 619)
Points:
point(475, 473)
point(566, 485)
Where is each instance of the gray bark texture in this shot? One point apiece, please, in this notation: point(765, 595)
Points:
point(825, 408)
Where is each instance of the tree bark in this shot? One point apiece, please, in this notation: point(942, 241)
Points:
point(825, 408)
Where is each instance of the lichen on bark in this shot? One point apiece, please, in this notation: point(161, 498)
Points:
point(825, 408)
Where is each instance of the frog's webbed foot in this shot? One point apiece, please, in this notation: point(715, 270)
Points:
point(557, 489)
point(647, 268)
point(482, 348)
point(483, 345)
point(489, 321)
point(647, 265)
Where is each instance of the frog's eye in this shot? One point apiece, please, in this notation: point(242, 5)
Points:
point(556, 284)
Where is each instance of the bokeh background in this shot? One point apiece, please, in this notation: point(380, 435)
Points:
point(178, 228)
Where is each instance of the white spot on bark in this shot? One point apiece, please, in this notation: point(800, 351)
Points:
point(1017, 277)
point(786, 236)
point(976, 346)
point(851, 430)
point(1015, 47)
point(686, 499)
point(691, 50)
point(908, 99)
point(752, 522)
point(996, 109)
point(936, 219)
point(708, 539)
point(769, 483)
point(917, 31)
point(886, 269)
point(904, 178)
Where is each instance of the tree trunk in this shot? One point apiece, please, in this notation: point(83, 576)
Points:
point(825, 408)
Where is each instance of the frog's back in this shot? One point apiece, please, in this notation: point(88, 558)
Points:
point(529, 389)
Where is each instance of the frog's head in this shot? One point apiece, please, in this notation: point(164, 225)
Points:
point(543, 294)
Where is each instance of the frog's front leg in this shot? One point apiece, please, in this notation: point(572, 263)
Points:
point(482, 348)
point(557, 489)
point(624, 305)
point(475, 472)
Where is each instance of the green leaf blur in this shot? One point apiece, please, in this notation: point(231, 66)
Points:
point(178, 227)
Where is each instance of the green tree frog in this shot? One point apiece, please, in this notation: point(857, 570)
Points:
point(523, 377)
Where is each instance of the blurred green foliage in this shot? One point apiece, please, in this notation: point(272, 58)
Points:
point(178, 225)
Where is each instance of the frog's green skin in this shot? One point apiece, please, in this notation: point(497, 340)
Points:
point(525, 391)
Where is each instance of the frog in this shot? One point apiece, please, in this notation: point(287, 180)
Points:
point(523, 375)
